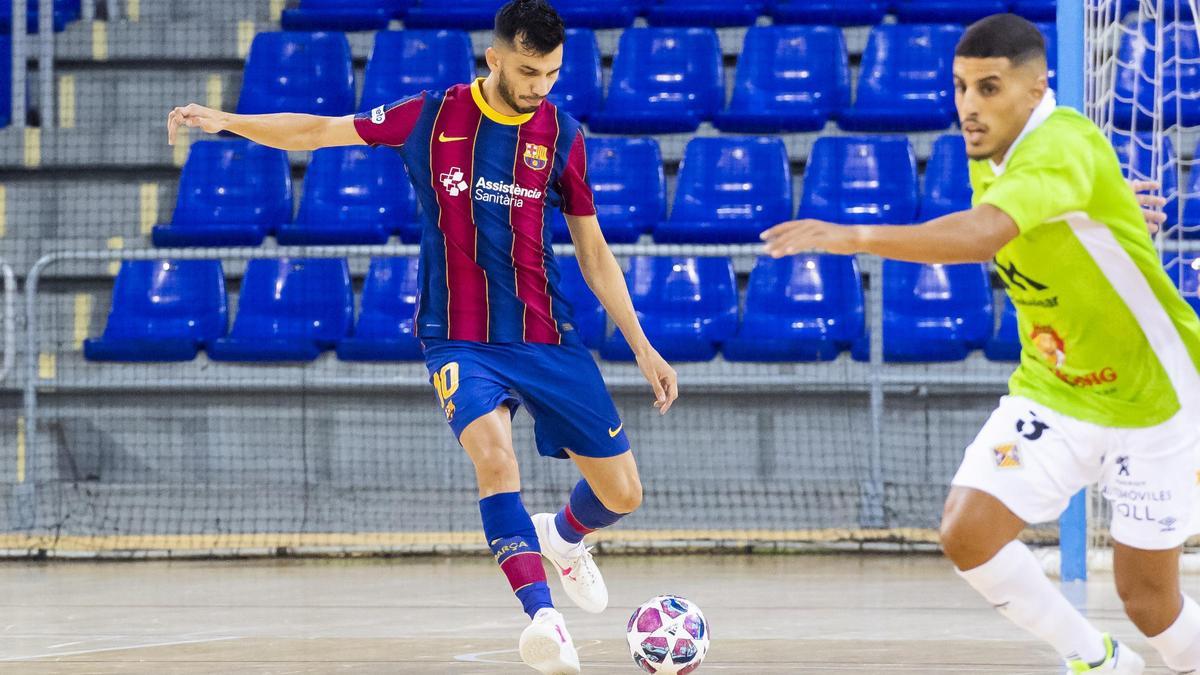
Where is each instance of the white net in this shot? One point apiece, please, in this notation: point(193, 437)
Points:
point(1142, 87)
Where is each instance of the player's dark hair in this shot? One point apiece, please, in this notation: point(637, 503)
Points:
point(1002, 36)
point(534, 22)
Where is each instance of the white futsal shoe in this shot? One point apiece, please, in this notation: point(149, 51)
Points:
point(1118, 659)
point(580, 577)
point(546, 645)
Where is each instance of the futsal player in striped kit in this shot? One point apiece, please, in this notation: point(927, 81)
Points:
point(489, 160)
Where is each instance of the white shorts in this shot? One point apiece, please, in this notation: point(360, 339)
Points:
point(1033, 460)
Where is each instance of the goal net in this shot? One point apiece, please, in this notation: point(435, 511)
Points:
point(1141, 86)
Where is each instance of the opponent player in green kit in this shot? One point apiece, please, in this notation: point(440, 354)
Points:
point(1108, 389)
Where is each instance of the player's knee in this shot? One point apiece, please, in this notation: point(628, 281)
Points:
point(1144, 595)
point(623, 498)
point(959, 542)
point(496, 469)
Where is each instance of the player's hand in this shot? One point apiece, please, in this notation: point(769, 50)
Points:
point(796, 236)
point(662, 379)
point(1151, 204)
point(192, 115)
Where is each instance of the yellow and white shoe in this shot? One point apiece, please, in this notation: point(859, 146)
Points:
point(1117, 659)
point(546, 646)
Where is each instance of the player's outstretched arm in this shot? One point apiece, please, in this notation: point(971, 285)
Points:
point(286, 131)
point(967, 236)
point(604, 277)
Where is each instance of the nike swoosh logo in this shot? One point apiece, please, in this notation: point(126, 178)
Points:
point(612, 433)
point(567, 571)
point(448, 139)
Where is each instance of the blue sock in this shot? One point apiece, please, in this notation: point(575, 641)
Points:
point(583, 514)
point(514, 544)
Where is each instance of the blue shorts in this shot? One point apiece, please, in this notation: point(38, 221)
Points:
point(560, 385)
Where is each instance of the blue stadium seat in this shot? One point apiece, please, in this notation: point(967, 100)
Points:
point(861, 180)
point(461, 14)
point(593, 14)
point(289, 310)
point(789, 78)
point(905, 83)
point(703, 12)
point(578, 90)
point(5, 81)
point(628, 184)
point(299, 73)
point(231, 193)
point(1036, 10)
point(404, 63)
point(932, 312)
point(664, 80)
point(386, 317)
point(1050, 32)
point(687, 306)
point(1185, 272)
point(348, 15)
point(65, 11)
point(354, 195)
point(628, 187)
point(831, 12)
point(1005, 345)
point(800, 308)
point(590, 319)
point(947, 185)
point(1146, 165)
point(947, 11)
point(1179, 92)
point(729, 190)
point(162, 310)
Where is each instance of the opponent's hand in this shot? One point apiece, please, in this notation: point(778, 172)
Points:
point(795, 236)
point(192, 115)
point(1151, 204)
point(662, 379)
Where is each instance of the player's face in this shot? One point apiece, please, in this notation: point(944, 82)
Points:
point(524, 78)
point(994, 100)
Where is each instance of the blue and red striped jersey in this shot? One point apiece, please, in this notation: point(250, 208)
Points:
point(487, 183)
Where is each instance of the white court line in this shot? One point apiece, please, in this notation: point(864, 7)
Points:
point(144, 645)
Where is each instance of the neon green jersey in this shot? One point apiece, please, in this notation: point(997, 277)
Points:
point(1105, 336)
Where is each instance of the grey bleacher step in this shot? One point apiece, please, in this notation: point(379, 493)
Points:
point(145, 145)
point(190, 11)
point(222, 37)
point(103, 99)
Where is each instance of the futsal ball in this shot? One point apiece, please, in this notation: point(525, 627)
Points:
point(667, 634)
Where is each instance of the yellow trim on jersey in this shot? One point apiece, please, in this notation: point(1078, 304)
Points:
point(490, 112)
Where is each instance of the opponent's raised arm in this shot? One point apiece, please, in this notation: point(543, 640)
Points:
point(966, 236)
point(286, 131)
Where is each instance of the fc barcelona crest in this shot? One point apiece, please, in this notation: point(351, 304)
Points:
point(535, 156)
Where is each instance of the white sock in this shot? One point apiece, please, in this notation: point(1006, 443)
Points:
point(556, 542)
point(1180, 644)
point(1014, 583)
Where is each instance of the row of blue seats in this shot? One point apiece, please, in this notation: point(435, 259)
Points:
point(479, 14)
point(803, 308)
point(65, 11)
point(788, 78)
point(235, 192)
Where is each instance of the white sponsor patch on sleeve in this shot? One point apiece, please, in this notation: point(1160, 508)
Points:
point(377, 115)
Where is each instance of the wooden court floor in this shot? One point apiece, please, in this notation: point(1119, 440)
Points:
point(768, 614)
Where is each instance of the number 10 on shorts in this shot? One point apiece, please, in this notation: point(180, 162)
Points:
point(445, 381)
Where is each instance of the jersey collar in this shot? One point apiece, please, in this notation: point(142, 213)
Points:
point(490, 112)
point(1040, 114)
